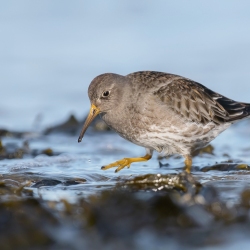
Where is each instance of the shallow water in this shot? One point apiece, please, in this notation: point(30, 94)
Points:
point(153, 201)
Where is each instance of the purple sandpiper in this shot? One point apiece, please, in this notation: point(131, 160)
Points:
point(159, 111)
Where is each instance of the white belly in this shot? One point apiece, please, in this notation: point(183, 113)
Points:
point(182, 140)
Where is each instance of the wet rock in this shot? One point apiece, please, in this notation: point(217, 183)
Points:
point(182, 211)
point(52, 182)
point(226, 167)
point(129, 214)
point(8, 189)
point(71, 126)
point(48, 151)
point(242, 167)
point(12, 151)
point(182, 182)
point(72, 182)
point(121, 215)
point(17, 134)
point(46, 182)
point(8, 133)
point(24, 224)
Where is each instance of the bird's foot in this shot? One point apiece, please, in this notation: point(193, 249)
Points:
point(126, 162)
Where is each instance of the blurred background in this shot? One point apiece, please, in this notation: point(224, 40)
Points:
point(51, 50)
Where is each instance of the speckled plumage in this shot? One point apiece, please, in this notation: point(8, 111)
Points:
point(163, 112)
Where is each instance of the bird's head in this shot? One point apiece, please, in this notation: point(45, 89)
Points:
point(105, 93)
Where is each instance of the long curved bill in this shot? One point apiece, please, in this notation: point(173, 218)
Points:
point(94, 111)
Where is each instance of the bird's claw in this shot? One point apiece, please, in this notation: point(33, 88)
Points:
point(126, 162)
point(120, 164)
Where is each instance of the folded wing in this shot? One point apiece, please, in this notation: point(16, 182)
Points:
point(199, 104)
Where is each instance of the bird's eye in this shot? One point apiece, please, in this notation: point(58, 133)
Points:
point(105, 93)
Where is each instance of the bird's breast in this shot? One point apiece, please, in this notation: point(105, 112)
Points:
point(136, 120)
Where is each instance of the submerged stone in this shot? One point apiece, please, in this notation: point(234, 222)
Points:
point(46, 182)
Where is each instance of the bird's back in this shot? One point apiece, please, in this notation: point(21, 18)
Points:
point(189, 99)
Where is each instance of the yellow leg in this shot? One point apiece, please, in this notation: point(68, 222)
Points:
point(125, 162)
point(188, 163)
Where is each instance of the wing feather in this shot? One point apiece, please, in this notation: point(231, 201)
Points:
point(190, 99)
point(199, 104)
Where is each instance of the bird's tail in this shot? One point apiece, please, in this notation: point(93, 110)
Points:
point(247, 109)
point(240, 111)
